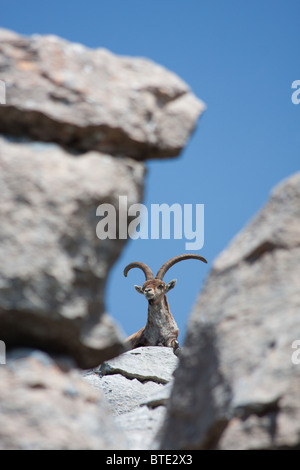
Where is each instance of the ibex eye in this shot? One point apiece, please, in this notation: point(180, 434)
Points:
point(161, 286)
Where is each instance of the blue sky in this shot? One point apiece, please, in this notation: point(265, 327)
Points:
point(240, 58)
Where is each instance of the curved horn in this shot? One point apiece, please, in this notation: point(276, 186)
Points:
point(137, 264)
point(165, 267)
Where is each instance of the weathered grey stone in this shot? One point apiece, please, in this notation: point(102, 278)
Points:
point(236, 385)
point(65, 104)
point(137, 389)
point(45, 408)
point(53, 266)
point(148, 363)
point(122, 394)
point(159, 397)
point(141, 426)
point(93, 100)
point(73, 122)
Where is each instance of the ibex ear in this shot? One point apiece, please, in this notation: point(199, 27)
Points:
point(139, 289)
point(171, 285)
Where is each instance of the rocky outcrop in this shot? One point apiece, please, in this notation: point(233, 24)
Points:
point(74, 123)
point(236, 386)
point(46, 405)
point(137, 386)
point(53, 266)
point(73, 126)
point(88, 99)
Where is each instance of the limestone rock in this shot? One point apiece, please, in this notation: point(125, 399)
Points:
point(159, 396)
point(73, 119)
point(137, 385)
point(148, 363)
point(236, 385)
point(53, 266)
point(141, 426)
point(92, 99)
point(122, 394)
point(74, 123)
point(43, 407)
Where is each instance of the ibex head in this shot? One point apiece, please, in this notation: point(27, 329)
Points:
point(155, 288)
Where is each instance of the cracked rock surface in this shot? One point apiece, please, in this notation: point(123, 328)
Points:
point(147, 363)
point(236, 386)
point(137, 386)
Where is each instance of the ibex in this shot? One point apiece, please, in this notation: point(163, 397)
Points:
point(161, 328)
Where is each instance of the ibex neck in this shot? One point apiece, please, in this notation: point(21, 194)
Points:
point(158, 312)
point(161, 326)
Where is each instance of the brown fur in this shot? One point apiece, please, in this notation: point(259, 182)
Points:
point(161, 328)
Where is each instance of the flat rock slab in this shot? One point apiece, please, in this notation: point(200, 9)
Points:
point(137, 386)
point(123, 394)
point(92, 99)
point(148, 363)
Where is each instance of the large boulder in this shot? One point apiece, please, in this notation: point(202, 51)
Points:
point(44, 405)
point(53, 267)
point(236, 386)
point(92, 99)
